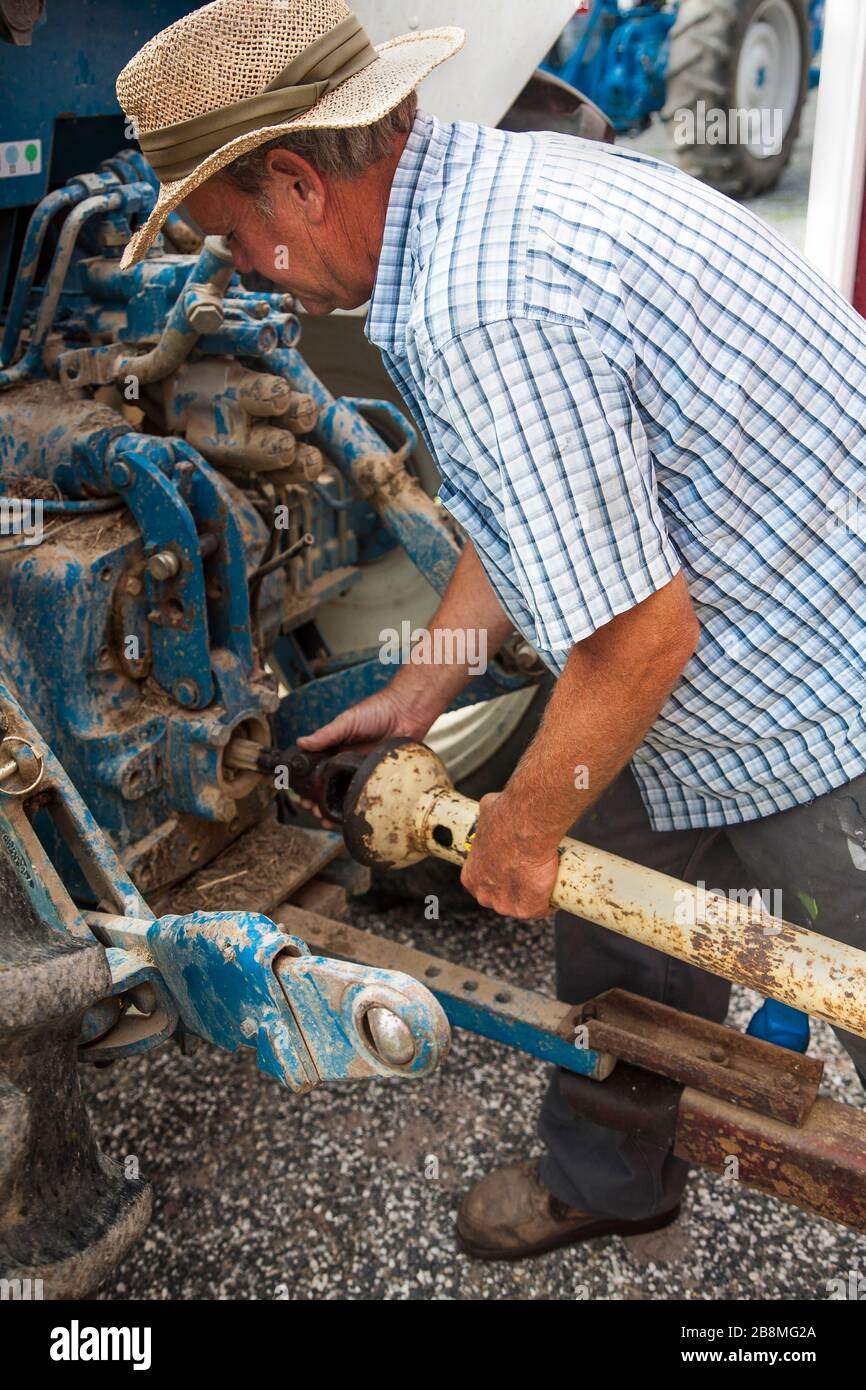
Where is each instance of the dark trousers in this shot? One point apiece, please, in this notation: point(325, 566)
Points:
point(813, 856)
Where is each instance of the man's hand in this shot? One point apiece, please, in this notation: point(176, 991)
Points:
point(497, 874)
point(417, 695)
point(383, 715)
point(386, 714)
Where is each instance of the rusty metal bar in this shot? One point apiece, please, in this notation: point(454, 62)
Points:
point(819, 1166)
point(697, 1052)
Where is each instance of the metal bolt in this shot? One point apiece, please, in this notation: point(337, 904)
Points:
point(185, 691)
point(121, 474)
point(391, 1037)
point(204, 317)
point(144, 998)
point(163, 565)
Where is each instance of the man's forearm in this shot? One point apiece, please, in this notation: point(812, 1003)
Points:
point(593, 724)
point(468, 604)
point(604, 703)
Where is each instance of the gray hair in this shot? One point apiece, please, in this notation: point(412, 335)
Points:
point(344, 154)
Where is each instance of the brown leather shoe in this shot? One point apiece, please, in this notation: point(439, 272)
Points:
point(510, 1215)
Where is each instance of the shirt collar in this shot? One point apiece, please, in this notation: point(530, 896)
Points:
point(389, 303)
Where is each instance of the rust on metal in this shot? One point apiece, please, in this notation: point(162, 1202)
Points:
point(696, 1052)
point(820, 1166)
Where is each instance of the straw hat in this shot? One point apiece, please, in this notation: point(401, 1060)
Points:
point(237, 73)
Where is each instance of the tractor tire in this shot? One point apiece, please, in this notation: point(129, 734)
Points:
point(717, 48)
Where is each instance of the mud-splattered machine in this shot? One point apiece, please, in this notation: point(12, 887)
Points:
point(186, 506)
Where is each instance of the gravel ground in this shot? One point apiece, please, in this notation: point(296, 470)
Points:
point(262, 1195)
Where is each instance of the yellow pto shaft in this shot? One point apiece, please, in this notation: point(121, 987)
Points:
point(397, 805)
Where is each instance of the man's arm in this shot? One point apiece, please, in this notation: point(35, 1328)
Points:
point(417, 695)
point(608, 696)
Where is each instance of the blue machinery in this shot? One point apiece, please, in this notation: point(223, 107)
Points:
point(179, 494)
point(146, 640)
point(618, 56)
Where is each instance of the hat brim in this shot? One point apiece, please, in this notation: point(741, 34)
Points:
point(368, 96)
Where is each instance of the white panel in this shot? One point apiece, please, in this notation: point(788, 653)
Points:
point(839, 152)
point(505, 42)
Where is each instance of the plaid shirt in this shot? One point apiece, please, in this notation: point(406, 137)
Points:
point(622, 374)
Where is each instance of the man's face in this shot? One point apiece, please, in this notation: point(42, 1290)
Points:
point(304, 246)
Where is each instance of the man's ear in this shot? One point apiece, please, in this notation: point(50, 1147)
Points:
point(297, 183)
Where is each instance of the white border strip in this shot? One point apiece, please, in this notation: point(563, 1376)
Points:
point(839, 152)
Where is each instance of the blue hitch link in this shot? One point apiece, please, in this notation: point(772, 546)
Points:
point(237, 980)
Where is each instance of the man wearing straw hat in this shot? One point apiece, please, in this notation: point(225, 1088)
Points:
point(648, 412)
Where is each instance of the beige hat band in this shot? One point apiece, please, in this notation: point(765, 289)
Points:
point(174, 151)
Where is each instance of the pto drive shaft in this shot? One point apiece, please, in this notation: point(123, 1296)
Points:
point(396, 805)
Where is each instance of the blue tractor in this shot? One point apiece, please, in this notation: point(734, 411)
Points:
point(199, 544)
point(728, 77)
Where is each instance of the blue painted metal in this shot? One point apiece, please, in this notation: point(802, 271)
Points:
point(68, 75)
point(778, 1023)
point(620, 59)
point(504, 1025)
point(141, 764)
point(143, 732)
point(43, 215)
point(239, 981)
point(233, 978)
point(817, 10)
point(348, 438)
point(129, 199)
point(22, 843)
point(618, 56)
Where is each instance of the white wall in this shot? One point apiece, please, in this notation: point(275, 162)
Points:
point(839, 151)
point(505, 42)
